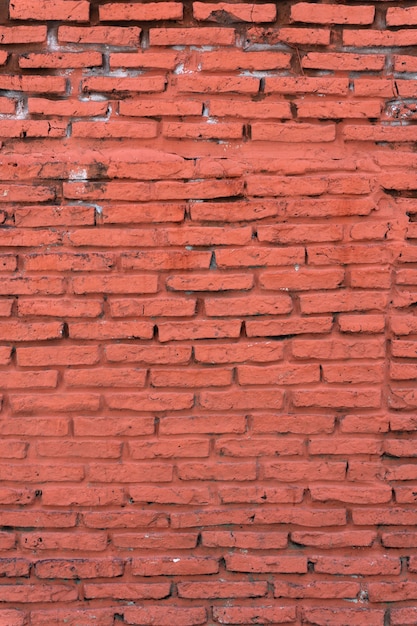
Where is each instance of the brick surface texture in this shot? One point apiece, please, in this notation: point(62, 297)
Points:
point(208, 328)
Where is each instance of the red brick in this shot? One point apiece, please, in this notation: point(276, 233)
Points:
point(23, 380)
point(39, 593)
point(58, 60)
point(300, 36)
point(345, 61)
point(379, 279)
point(24, 285)
point(92, 449)
point(317, 589)
point(251, 305)
point(306, 424)
point(164, 59)
point(30, 331)
point(303, 278)
point(242, 399)
point(154, 108)
point(101, 130)
point(113, 427)
point(135, 284)
point(348, 565)
point(150, 401)
point(304, 470)
point(278, 374)
point(277, 186)
point(111, 330)
point(10, 495)
point(41, 10)
point(63, 261)
point(329, 540)
point(204, 329)
point(208, 589)
point(325, 255)
point(379, 133)
point(343, 301)
point(130, 473)
point(218, 471)
point(208, 282)
point(37, 427)
point(161, 212)
point(299, 233)
point(44, 356)
point(166, 260)
point(352, 494)
point(152, 541)
point(10, 617)
point(293, 133)
point(288, 327)
point(257, 352)
point(382, 38)
point(166, 495)
point(72, 617)
point(403, 617)
point(332, 14)
point(391, 516)
point(60, 307)
point(110, 35)
point(338, 398)
point(33, 84)
point(359, 424)
point(7, 540)
point(188, 566)
point(222, 60)
point(191, 36)
point(166, 449)
point(362, 323)
point(397, 16)
point(60, 403)
point(196, 378)
point(306, 84)
point(254, 615)
point(340, 616)
point(329, 109)
point(405, 63)
point(113, 85)
point(158, 355)
point(222, 438)
point(79, 568)
point(244, 540)
point(6, 307)
point(54, 216)
point(201, 425)
point(180, 130)
point(214, 84)
point(22, 34)
point(330, 349)
point(144, 192)
point(165, 615)
point(258, 447)
point(91, 496)
point(126, 12)
point(266, 564)
point(259, 257)
point(127, 591)
point(45, 519)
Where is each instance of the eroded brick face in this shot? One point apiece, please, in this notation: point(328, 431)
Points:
point(208, 336)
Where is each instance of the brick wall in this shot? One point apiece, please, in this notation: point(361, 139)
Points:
point(208, 331)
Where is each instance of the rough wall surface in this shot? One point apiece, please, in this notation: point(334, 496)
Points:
point(208, 331)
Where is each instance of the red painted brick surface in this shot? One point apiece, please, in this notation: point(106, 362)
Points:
point(208, 332)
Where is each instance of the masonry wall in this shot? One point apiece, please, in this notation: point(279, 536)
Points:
point(208, 332)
